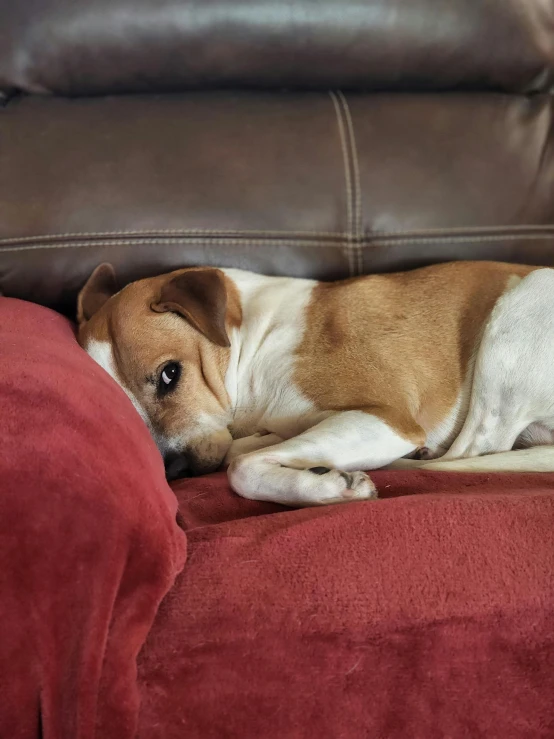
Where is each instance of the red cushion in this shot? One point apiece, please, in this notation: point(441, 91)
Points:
point(88, 539)
point(429, 613)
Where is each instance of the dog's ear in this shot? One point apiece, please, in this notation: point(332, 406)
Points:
point(199, 296)
point(100, 286)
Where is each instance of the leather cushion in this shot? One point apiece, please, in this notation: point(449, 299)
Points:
point(83, 47)
point(311, 185)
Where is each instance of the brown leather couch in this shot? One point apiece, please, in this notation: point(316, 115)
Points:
point(317, 137)
point(321, 138)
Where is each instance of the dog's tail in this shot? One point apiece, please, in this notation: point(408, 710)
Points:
point(534, 459)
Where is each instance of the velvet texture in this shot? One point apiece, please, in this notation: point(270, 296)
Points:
point(424, 615)
point(88, 539)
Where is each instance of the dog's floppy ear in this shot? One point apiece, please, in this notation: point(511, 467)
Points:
point(100, 286)
point(200, 296)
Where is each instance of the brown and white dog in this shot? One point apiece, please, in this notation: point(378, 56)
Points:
point(299, 386)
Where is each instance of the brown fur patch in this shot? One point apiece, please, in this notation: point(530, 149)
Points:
point(200, 296)
point(398, 345)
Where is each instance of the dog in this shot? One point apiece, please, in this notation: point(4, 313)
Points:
point(299, 387)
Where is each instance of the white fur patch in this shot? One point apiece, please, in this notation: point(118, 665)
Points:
point(101, 352)
point(512, 398)
point(512, 387)
point(259, 377)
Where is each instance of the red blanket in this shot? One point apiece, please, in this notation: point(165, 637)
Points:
point(88, 539)
point(427, 614)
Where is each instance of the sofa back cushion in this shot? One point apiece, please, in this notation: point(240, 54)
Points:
point(79, 47)
point(302, 184)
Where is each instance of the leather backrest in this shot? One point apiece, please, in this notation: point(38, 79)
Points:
point(318, 185)
point(83, 47)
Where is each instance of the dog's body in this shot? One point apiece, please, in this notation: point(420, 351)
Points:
point(300, 385)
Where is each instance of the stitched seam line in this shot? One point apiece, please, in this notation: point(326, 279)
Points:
point(377, 241)
point(462, 232)
point(357, 216)
point(171, 232)
point(370, 242)
point(348, 180)
point(336, 235)
point(155, 242)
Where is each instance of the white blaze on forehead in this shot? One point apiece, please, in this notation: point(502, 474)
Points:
point(101, 352)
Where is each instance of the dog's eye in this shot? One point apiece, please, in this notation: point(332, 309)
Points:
point(169, 377)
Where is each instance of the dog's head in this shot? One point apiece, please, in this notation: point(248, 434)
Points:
point(165, 340)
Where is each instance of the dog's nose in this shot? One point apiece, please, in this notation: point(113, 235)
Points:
point(176, 465)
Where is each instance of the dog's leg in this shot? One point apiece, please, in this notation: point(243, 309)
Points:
point(323, 464)
point(250, 444)
point(512, 388)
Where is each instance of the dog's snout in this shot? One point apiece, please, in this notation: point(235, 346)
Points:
point(176, 465)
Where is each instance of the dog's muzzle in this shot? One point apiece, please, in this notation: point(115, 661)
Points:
point(186, 464)
point(176, 466)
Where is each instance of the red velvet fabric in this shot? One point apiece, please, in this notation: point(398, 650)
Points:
point(424, 615)
point(88, 539)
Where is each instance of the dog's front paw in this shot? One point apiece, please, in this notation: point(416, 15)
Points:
point(339, 486)
point(263, 477)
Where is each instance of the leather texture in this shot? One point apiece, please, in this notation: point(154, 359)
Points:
point(325, 185)
point(83, 47)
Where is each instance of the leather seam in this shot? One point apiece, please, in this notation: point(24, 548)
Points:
point(357, 230)
point(169, 242)
point(370, 241)
point(434, 233)
point(348, 181)
point(463, 230)
point(338, 235)
point(376, 241)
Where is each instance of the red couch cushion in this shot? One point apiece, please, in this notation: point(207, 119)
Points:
point(88, 539)
point(426, 614)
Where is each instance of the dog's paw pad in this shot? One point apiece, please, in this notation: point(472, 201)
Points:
point(423, 453)
point(358, 486)
point(338, 485)
point(319, 470)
